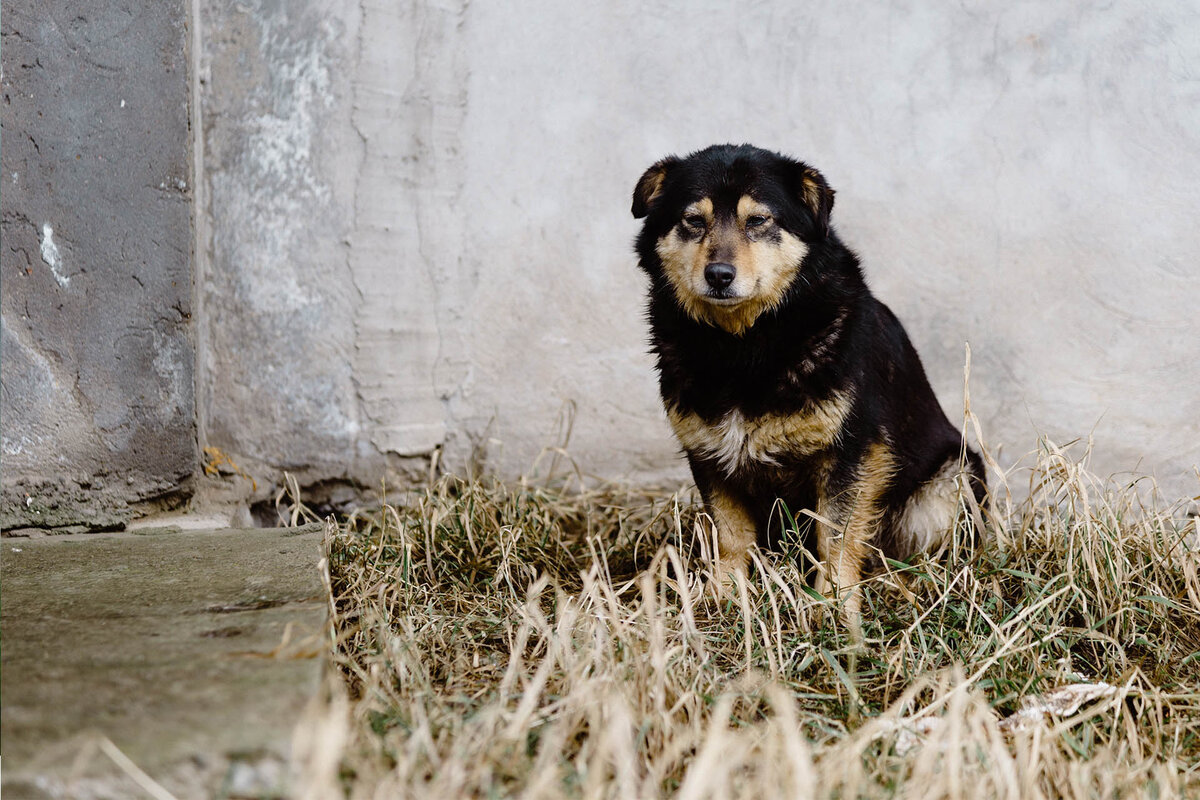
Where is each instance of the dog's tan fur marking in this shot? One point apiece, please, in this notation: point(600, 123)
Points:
point(736, 532)
point(749, 207)
point(703, 207)
point(648, 188)
point(812, 190)
point(735, 441)
point(844, 545)
point(766, 260)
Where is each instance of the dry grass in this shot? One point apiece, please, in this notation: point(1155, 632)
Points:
point(516, 640)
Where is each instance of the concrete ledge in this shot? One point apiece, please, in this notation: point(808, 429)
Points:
point(194, 652)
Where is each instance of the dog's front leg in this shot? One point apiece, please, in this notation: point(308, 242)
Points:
point(846, 530)
point(842, 548)
point(736, 532)
point(736, 527)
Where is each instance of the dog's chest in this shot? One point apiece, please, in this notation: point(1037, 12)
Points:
point(736, 441)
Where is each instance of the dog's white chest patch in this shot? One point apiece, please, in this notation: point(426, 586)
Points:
point(736, 441)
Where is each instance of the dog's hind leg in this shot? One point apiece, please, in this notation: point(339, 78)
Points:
point(927, 522)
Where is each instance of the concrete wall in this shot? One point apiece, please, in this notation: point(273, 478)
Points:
point(95, 191)
point(412, 235)
point(421, 234)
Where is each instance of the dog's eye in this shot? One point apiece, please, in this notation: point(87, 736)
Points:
point(757, 221)
point(694, 221)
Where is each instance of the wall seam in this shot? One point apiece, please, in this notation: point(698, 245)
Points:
point(199, 229)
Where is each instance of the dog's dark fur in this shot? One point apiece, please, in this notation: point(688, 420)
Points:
point(782, 375)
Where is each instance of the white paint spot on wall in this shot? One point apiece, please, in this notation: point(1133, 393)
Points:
point(51, 257)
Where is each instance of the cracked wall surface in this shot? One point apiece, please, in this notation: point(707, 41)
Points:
point(97, 386)
point(1020, 176)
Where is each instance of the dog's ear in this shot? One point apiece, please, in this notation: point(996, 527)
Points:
point(817, 195)
point(650, 186)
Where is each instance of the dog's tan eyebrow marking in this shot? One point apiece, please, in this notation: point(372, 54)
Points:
point(703, 207)
point(749, 207)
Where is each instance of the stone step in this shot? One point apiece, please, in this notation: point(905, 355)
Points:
point(194, 652)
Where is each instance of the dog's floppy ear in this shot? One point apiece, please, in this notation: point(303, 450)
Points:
point(650, 186)
point(817, 195)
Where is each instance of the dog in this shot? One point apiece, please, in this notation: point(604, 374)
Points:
point(784, 378)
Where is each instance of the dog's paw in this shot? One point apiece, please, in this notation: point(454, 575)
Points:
point(728, 584)
point(720, 587)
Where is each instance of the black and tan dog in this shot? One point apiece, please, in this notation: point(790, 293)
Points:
point(782, 375)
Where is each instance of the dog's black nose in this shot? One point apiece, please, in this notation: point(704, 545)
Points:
point(719, 275)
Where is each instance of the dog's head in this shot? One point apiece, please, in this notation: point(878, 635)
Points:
point(729, 228)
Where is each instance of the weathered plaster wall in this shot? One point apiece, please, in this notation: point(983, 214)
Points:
point(276, 299)
point(97, 395)
point(333, 254)
point(421, 236)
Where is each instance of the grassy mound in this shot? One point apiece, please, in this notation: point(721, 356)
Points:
point(517, 640)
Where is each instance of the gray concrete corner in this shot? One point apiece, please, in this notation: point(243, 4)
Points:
point(97, 384)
